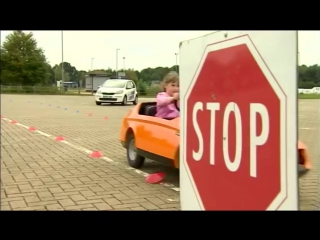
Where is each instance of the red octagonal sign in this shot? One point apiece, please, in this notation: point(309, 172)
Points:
point(235, 130)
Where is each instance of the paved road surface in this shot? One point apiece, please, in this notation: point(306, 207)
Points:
point(40, 173)
point(309, 133)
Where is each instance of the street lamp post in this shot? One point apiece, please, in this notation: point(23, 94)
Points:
point(176, 62)
point(92, 64)
point(117, 63)
point(62, 68)
point(55, 74)
point(92, 75)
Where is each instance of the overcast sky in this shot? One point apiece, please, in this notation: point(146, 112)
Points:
point(141, 49)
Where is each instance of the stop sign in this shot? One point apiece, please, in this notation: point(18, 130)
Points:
point(235, 130)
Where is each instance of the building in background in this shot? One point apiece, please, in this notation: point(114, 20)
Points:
point(71, 84)
point(95, 79)
point(92, 83)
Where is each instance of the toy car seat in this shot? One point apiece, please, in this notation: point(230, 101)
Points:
point(151, 110)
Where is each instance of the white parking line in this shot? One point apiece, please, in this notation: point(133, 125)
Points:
point(87, 151)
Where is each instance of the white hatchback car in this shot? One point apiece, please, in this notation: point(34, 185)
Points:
point(117, 91)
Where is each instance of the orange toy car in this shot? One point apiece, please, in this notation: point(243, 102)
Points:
point(304, 159)
point(147, 136)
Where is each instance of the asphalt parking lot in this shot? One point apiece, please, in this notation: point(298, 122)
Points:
point(39, 173)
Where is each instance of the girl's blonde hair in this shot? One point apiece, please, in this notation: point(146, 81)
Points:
point(171, 77)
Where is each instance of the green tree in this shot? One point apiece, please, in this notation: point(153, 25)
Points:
point(71, 71)
point(57, 69)
point(82, 78)
point(137, 74)
point(309, 76)
point(155, 74)
point(23, 63)
point(141, 88)
point(131, 74)
point(51, 78)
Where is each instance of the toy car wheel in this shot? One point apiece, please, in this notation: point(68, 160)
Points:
point(124, 101)
point(135, 102)
point(133, 159)
point(98, 103)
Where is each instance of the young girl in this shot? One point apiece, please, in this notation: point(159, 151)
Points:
point(168, 99)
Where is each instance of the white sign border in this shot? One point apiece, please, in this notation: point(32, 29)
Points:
point(245, 39)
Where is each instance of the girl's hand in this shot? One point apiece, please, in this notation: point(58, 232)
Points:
point(176, 96)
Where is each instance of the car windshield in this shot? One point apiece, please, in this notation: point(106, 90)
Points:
point(114, 84)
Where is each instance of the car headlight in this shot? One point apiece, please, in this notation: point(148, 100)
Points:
point(98, 92)
point(119, 92)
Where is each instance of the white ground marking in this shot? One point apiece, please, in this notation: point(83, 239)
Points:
point(87, 151)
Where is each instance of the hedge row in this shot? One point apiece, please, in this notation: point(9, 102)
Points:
point(30, 90)
point(50, 90)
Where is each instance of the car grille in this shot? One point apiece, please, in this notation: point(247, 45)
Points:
point(108, 99)
point(109, 94)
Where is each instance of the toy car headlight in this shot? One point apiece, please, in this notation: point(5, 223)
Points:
point(99, 92)
point(119, 92)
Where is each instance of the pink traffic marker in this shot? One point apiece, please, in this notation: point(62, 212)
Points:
point(96, 154)
point(155, 177)
point(60, 138)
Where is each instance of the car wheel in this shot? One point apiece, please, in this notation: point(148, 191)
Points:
point(133, 159)
point(98, 103)
point(135, 102)
point(124, 102)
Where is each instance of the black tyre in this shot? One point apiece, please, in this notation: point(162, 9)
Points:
point(133, 159)
point(135, 102)
point(98, 103)
point(124, 101)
